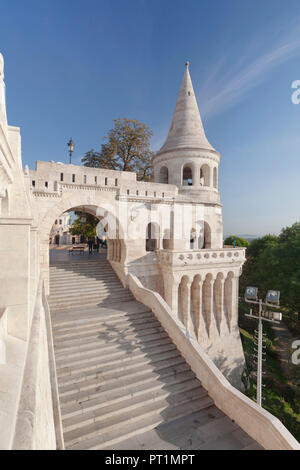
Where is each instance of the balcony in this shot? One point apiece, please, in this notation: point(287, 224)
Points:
point(206, 257)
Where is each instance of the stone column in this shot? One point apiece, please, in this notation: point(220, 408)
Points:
point(171, 284)
point(186, 303)
point(198, 313)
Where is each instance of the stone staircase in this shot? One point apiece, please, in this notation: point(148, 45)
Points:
point(122, 382)
point(84, 282)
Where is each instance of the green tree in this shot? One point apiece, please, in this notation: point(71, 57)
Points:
point(127, 149)
point(87, 228)
point(274, 263)
point(238, 241)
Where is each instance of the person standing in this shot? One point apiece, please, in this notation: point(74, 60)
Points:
point(90, 244)
point(97, 244)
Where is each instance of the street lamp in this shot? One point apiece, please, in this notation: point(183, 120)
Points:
point(272, 300)
point(71, 148)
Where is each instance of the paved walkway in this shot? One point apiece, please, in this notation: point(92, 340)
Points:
point(61, 253)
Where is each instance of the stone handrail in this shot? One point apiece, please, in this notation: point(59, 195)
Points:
point(35, 427)
point(202, 256)
point(262, 426)
point(53, 376)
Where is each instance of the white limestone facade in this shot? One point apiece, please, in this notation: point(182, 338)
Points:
point(167, 234)
point(60, 232)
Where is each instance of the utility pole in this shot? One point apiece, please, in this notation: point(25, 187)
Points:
point(272, 300)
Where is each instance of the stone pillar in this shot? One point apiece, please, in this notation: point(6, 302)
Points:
point(208, 302)
point(171, 284)
point(219, 300)
point(186, 305)
point(197, 306)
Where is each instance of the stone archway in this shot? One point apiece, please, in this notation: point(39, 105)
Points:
point(105, 207)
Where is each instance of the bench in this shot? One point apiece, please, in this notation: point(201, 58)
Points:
point(79, 248)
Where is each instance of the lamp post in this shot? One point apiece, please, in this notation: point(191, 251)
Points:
point(71, 148)
point(272, 300)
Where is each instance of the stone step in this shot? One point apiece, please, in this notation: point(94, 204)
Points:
point(109, 321)
point(85, 284)
point(104, 348)
point(106, 412)
point(120, 379)
point(63, 277)
point(129, 349)
point(84, 267)
point(95, 315)
point(83, 262)
point(153, 414)
point(84, 301)
point(82, 285)
point(88, 399)
point(108, 330)
point(98, 289)
point(131, 368)
point(58, 279)
point(121, 360)
point(78, 347)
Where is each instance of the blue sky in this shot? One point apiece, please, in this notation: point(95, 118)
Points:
point(72, 66)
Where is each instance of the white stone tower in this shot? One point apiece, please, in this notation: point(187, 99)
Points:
point(200, 275)
point(190, 162)
point(187, 159)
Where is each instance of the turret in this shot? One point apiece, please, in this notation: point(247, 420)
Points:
point(187, 159)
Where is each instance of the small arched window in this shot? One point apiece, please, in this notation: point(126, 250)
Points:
point(187, 176)
point(207, 236)
point(152, 237)
point(215, 178)
point(193, 239)
point(205, 175)
point(164, 175)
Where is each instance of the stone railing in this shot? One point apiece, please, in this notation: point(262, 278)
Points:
point(206, 256)
point(263, 427)
point(35, 427)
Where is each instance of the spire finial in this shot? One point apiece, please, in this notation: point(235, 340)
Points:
point(1, 66)
point(187, 64)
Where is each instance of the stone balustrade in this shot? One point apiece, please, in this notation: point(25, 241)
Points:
point(207, 256)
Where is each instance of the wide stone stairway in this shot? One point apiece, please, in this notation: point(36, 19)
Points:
point(122, 382)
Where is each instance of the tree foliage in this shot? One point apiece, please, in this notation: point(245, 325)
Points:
point(86, 229)
point(127, 149)
point(238, 241)
point(274, 263)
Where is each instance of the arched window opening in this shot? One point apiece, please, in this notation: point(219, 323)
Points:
point(167, 245)
point(205, 175)
point(203, 237)
point(164, 175)
point(193, 239)
point(152, 237)
point(215, 178)
point(187, 176)
point(207, 236)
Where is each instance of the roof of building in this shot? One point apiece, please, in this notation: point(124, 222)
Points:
point(186, 129)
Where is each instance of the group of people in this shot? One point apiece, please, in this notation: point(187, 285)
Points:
point(94, 243)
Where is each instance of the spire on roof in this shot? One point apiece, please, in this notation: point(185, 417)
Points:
point(186, 129)
point(3, 118)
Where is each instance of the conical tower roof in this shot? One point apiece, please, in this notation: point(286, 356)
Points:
point(186, 129)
